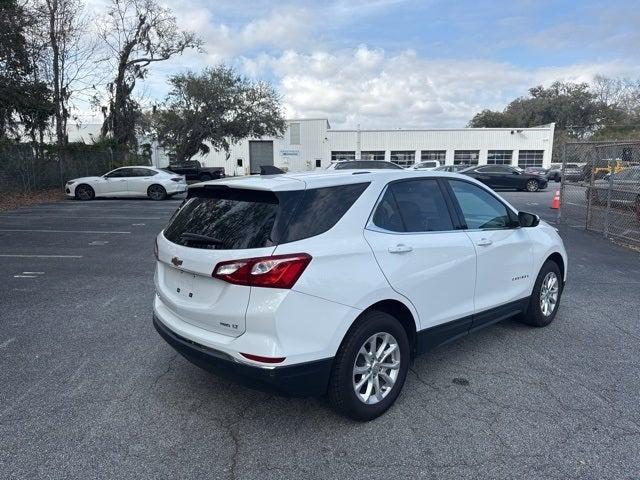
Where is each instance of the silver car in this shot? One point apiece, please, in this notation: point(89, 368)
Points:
point(624, 185)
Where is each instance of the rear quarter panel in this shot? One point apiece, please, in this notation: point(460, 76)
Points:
point(343, 269)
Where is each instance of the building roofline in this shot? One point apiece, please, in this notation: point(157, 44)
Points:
point(306, 120)
point(503, 129)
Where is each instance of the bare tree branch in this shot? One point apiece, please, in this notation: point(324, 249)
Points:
point(139, 32)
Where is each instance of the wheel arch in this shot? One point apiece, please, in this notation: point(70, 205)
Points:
point(400, 312)
point(556, 258)
point(83, 184)
point(156, 184)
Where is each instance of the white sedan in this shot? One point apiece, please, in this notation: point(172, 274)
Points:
point(142, 181)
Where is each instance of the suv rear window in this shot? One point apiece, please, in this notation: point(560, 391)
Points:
point(241, 218)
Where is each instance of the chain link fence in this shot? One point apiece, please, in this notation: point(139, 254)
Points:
point(24, 169)
point(600, 189)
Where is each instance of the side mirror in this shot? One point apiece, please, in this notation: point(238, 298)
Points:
point(528, 219)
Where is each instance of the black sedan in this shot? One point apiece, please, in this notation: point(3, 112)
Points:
point(507, 177)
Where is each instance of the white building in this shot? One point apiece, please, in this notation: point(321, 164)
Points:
point(311, 143)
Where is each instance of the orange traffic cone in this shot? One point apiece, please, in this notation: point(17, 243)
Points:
point(556, 200)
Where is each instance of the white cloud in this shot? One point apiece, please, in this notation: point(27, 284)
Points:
point(374, 89)
point(293, 45)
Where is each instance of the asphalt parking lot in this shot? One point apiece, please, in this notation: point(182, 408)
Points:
point(89, 390)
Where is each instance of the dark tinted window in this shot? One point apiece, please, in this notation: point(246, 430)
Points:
point(413, 206)
point(387, 214)
point(120, 172)
point(479, 208)
point(366, 164)
point(389, 166)
point(494, 169)
point(241, 218)
point(320, 209)
point(238, 218)
point(422, 206)
point(143, 172)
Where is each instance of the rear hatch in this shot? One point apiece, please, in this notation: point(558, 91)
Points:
point(223, 222)
point(217, 223)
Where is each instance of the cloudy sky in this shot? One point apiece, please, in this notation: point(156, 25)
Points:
point(394, 63)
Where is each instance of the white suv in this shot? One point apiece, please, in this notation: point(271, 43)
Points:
point(331, 282)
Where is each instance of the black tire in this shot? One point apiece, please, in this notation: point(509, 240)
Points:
point(535, 315)
point(205, 177)
point(156, 192)
point(532, 185)
point(85, 192)
point(341, 392)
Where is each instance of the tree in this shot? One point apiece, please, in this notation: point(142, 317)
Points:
point(579, 110)
point(138, 33)
point(572, 106)
point(24, 98)
point(216, 106)
point(490, 119)
point(68, 56)
point(622, 96)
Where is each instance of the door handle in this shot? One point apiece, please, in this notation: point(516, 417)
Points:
point(123, 180)
point(484, 242)
point(400, 248)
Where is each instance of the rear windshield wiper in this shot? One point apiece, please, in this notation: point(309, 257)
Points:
point(196, 237)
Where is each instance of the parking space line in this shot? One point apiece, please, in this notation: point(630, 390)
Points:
point(38, 256)
point(85, 217)
point(65, 231)
point(25, 276)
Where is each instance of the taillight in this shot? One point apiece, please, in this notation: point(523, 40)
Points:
point(176, 179)
point(155, 249)
point(278, 271)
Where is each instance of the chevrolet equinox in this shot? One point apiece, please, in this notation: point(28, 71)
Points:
point(330, 282)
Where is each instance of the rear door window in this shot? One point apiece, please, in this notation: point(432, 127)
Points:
point(413, 206)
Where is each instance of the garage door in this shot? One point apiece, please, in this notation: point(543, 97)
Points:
point(260, 153)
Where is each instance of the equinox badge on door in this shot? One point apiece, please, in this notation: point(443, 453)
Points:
point(176, 261)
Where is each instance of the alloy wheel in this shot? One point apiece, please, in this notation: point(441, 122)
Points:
point(549, 293)
point(156, 192)
point(84, 193)
point(376, 368)
point(532, 186)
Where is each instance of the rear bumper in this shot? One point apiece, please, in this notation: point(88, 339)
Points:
point(304, 379)
point(177, 188)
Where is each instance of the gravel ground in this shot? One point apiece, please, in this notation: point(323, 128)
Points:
point(11, 201)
